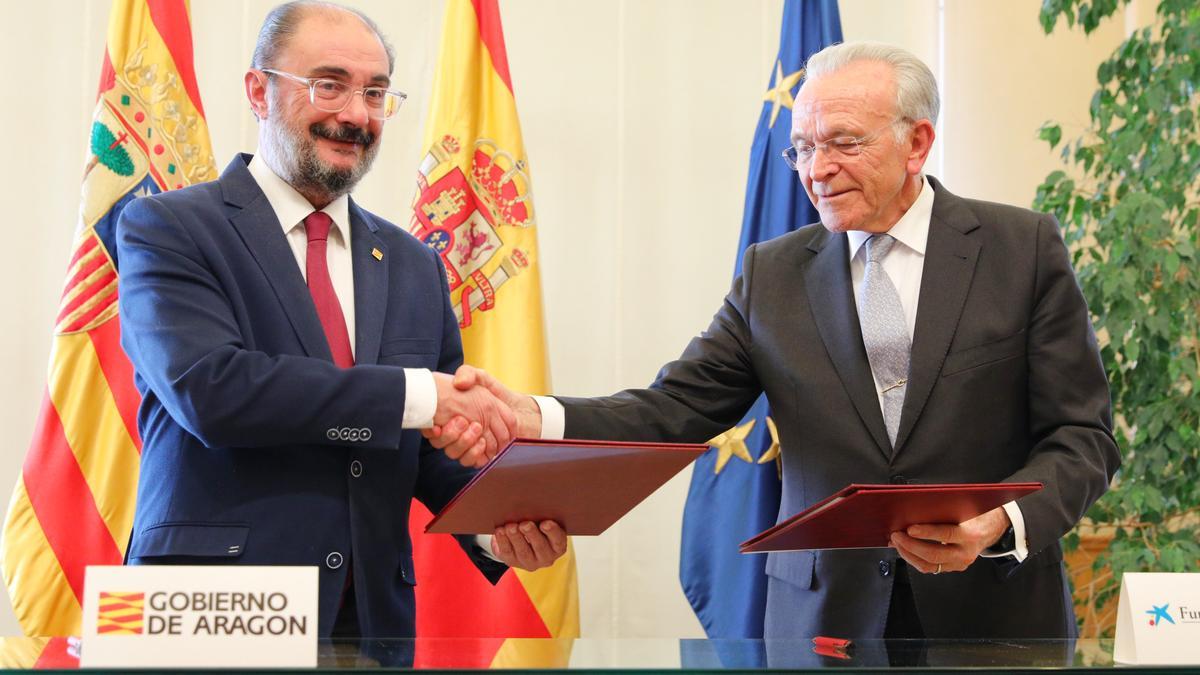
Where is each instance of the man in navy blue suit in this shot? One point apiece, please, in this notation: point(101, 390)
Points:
point(288, 345)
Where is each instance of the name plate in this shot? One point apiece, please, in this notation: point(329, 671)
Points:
point(1158, 619)
point(199, 616)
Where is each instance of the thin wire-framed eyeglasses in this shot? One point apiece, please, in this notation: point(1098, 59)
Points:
point(333, 96)
point(835, 148)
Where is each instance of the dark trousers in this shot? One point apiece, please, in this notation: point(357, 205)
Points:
point(905, 636)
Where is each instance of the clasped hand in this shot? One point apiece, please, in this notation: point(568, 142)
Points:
point(480, 416)
point(471, 411)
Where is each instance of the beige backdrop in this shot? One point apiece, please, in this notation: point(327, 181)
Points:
point(638, 116)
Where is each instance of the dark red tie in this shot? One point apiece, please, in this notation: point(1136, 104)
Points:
point(316, 226)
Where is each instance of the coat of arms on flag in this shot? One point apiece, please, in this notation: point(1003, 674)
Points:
point(459, 215)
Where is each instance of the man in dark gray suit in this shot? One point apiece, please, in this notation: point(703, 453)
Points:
point(917, 337)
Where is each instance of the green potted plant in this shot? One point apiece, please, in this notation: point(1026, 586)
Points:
point(1128, 200)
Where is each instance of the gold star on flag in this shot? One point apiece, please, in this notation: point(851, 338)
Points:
point(772, 452)
point(732, 443)
point(781, 94)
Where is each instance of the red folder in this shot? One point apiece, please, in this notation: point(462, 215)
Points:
point(864, 516)
point(585, 486)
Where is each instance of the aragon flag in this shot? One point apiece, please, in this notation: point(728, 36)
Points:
point(474, 207)
point(73, 503)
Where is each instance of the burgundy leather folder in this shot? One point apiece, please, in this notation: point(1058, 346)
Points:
point(864, 516)
point(585, 486)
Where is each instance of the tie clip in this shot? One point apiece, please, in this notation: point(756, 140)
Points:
point(899, 384)
point(377, 254)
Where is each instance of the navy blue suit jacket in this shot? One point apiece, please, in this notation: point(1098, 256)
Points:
point(257, 449)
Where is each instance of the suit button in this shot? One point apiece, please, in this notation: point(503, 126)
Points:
point(333, 560)
point(332, 434)
point(885, 568)
point(899, 479)
point(356, 468)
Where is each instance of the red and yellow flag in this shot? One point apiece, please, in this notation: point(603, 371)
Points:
point(73, 504)
point(475, 208)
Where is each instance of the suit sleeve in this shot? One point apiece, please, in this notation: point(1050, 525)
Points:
point(1070, 413)
point(701, 394)
point(180, 332)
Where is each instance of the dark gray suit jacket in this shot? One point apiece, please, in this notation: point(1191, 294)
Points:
point(1006, 384)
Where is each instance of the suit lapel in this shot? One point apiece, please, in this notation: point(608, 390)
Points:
point(370, 285)
point(950, 256)
point(831, 298)
point(259, 228)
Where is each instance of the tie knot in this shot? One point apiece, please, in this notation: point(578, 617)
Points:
point(878, 246)
point(316, 226)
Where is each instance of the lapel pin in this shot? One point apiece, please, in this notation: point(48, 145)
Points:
point(377, 254)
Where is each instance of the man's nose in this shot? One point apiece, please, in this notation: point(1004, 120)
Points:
point(820, 167)
point(355, 112)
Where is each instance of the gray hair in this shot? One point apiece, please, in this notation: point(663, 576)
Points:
point(916, 89)
point(281, 24)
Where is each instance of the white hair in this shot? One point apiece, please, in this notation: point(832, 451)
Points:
point(916, 89)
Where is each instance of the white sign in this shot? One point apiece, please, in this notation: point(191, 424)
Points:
point(1158, 619)
point(204, 616)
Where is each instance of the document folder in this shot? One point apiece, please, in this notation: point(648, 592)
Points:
point(864, 516)
point(585, 486)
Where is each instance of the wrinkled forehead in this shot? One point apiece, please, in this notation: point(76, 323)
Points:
point(849, 100)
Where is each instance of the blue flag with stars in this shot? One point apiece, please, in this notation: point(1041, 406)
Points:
point(734, 492)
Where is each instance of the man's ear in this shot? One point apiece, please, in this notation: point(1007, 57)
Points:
point(921, 138)
point(256, 92)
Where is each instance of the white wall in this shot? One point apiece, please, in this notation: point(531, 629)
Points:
point(638, 116)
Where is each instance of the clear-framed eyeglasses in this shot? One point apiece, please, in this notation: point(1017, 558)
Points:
point(835, 149)
point(332, 96)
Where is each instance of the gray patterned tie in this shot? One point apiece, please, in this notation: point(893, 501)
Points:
point(885, 332)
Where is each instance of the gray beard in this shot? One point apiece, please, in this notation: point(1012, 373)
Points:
point(293, 155)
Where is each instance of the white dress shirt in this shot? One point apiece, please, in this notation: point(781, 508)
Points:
point(291, 208)
point(904, 264)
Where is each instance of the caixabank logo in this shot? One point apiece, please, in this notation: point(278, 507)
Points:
point(120, 613)
point(198, 613)
point(1162, 614)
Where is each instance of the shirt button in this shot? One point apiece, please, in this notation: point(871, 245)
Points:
point(885, 568)
point(333, 560)
point(356, 468)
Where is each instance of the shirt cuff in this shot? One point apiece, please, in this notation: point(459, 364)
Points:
point(484, 541)
point(1021, 548)
point(554, 418)
point(420, 399)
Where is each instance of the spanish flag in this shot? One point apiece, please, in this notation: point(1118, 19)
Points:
point(73, 503)
point(475, 208)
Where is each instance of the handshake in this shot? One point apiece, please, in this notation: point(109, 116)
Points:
point(477, 416)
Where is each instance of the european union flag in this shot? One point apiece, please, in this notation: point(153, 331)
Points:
point(733, 497)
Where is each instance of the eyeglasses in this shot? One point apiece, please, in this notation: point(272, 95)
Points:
point(333, 96)
point(835, 148)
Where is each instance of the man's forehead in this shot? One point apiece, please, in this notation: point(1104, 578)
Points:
point(841, 100)
point(333, 43)
point(840, 112)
